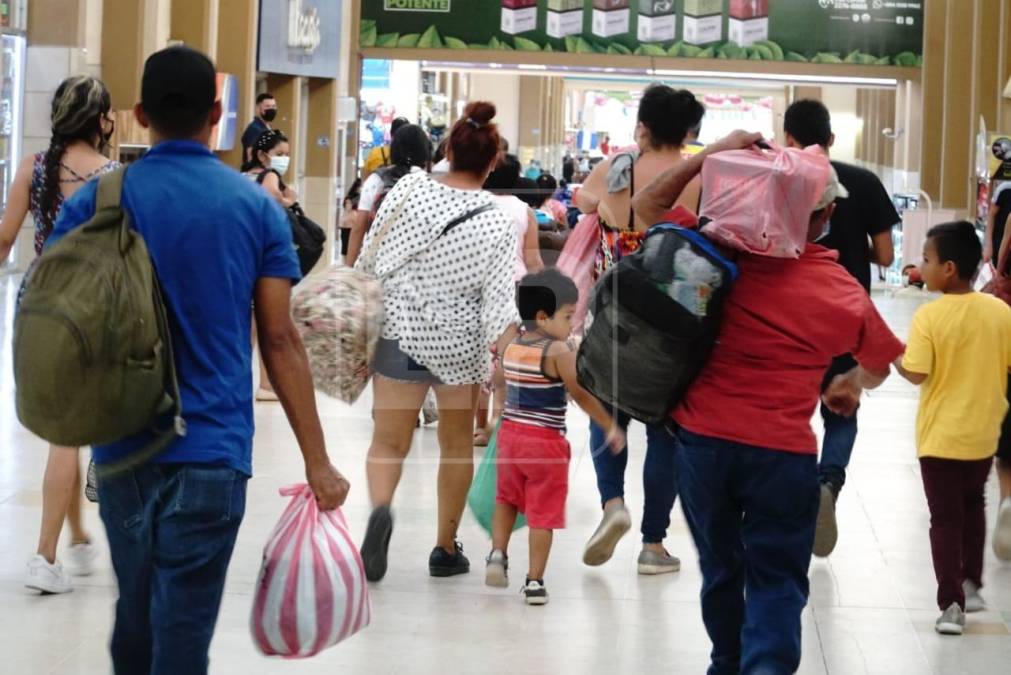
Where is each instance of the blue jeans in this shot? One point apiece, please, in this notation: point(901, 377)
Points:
point(171, 530)
point(752, 514)
point(659, 476)
point(840, 432)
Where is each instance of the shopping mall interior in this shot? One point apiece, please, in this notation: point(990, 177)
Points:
point(919, 95)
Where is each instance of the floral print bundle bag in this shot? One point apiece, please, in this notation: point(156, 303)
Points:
point(340, 315)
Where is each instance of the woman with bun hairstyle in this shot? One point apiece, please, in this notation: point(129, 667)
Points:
point(82, 124)
point(666, 117)
point(446, 257)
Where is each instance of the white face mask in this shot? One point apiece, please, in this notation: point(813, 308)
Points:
point(280, 164)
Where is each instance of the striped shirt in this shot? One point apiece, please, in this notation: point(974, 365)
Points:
point(532, 397)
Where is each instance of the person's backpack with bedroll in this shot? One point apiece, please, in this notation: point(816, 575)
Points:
point(93, 360)
point(656, 317)
point(308, 236)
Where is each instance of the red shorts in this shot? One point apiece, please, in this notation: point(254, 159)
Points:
point(533, 473)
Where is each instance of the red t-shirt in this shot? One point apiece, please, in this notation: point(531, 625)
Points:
point(783, 323)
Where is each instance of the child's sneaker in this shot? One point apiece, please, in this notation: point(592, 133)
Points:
point(651, 562)
point(973, 600)
point(613, 526)
point(951, 621)
point(535, 593)
point(1002, 531)
point(496, 570)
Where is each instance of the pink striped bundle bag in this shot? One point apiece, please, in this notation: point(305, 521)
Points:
point(311, 592)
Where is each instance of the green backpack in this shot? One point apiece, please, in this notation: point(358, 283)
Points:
point(93, 358)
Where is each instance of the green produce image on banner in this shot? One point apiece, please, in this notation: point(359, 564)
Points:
point(862, 32)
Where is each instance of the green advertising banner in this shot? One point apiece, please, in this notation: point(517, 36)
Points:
point(864, 32)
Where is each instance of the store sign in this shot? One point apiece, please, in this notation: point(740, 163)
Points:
point(300, 37)
point(417, 5)
point(858, 32)
point(1000, 157)
point(303, 26)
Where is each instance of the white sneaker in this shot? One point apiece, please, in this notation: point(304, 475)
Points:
point(47, 578)
point(973, 600)
point(82, 559)
point(1002, 531)
point(496, 571)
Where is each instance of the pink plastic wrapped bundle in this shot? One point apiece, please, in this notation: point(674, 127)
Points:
point(340, 316)
point(760, 201)
point(311, 592)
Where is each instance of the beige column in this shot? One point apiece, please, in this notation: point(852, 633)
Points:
point(195, 24)
point(238, 21)
point(321, 161)
point(967, 62)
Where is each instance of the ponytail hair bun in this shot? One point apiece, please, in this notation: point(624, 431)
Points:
point(474, 140)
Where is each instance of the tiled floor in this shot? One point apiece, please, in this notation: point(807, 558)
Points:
point(871, 610)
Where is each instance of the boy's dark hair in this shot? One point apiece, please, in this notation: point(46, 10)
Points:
point(544, 291)
point(398, 124)
point(265, 96)
point(809, 122)
point(959, 243)
point(178, 90)
point(527, 192)
point(669, 114)
point(546, 188)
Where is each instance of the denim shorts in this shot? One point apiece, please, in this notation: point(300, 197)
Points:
point(392, 363)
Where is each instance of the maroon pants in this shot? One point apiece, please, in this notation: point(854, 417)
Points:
point(957, 523)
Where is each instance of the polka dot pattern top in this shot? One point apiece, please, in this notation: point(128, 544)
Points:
point(447, 298)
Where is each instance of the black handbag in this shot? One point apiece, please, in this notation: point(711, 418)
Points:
point(308, 236)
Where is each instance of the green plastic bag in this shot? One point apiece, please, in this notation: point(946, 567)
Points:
point(481, 497)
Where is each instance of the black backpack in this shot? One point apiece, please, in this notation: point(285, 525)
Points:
point(309, 237)
point(656, 318)
point(389, 175)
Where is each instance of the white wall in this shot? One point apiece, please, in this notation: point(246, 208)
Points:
point(504, 91)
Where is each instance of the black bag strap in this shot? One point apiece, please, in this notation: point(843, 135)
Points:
point(473, 213)
point(263, 176)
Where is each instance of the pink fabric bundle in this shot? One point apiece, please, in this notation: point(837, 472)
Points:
point(311, 592)
point(577, 260)
point(760, 201)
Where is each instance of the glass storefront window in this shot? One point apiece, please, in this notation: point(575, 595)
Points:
point(14, 14)
point(12, 64)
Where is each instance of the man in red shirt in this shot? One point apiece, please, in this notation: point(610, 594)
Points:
point(747, 458)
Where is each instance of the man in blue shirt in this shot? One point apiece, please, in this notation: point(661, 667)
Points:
point(219, 245)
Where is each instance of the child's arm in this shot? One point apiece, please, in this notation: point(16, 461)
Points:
point(842, 396)
point(563, 357)
point(913, 377)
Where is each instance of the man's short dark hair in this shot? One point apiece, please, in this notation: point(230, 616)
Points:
point(959, 243)
point(178, 91)
point(809, 122)
point(266, 96)
point(546, 291)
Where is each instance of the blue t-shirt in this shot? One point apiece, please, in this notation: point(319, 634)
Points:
point(211, 233)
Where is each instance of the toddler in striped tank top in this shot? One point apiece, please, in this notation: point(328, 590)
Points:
point(533, 459)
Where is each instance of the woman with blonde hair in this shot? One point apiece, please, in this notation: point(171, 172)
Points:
point(82, 123)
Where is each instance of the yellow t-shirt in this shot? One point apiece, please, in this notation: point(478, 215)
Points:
point(962, 343)
point(377, 159)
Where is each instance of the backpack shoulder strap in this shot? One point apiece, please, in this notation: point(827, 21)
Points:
point(110, 190)
point(473, 213)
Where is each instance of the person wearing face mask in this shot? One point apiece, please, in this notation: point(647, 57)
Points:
point(269, 164)
point(82, 123)
point(266, 112)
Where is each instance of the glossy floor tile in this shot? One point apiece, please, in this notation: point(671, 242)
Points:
point(871, 609)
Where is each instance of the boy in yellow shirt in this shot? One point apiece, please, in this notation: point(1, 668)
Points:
point(959, 349)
